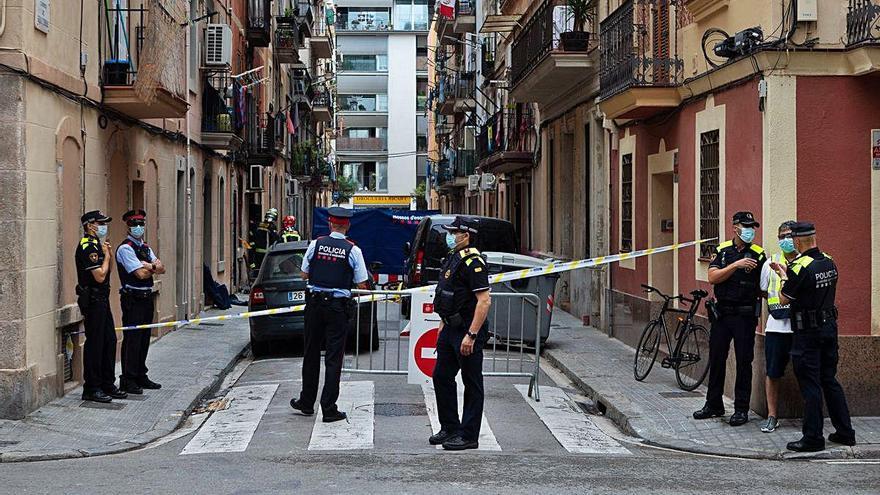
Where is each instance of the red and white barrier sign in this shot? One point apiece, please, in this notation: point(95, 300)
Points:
point(423, 327)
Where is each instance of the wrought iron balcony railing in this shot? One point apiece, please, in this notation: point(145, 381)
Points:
point(487, 59)
point(507, 130)
point(863, 22)
point(465, 162)
point(217, 104)
point(361, 144)
point(259, 22)
point(636, 47)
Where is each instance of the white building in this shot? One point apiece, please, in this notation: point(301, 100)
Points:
point(382, 86)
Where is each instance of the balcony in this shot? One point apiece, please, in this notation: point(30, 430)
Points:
point(507, 141)
point(260, 143)
point(322, 107)
point(465, 17)
point(457, 93)
point(362, 20)
point(544, 65)
point(457, 168)
point(143, 77)
point(218, 121)
point(639, 72)
point(321, 40)
point(863, 22)
point(487, 61)
point(286, 45)
point(361, 144)
point(259, 22)
point(301, 87)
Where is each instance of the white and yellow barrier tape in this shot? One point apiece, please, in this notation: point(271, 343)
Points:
point(494, 279)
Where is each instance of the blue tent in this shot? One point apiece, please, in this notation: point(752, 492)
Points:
point(379, 232)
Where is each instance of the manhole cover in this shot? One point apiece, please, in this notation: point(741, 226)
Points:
point(392, 409)
point(680, 394)
point(98, 405)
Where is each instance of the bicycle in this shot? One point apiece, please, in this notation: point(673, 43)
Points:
point(690, 356)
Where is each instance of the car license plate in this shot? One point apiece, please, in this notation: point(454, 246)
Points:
point(296, 296)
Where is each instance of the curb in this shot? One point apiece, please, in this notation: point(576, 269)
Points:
point(164, 427)
point(628, 422)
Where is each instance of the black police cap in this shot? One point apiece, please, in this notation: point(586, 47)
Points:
point(803, 229)
point(137, 214)
point(745, 218)
point(94, 216)
point(340, 212)
point(464, 224)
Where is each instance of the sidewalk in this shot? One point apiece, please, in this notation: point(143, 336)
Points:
point(190, 363)
point(657, 411)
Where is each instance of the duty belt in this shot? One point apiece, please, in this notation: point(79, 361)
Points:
point(809, 319)
point(137, 293)
point(725, 309)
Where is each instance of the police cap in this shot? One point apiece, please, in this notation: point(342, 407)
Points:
point(94, 216)
point(339, 215)
point(137, 214)
point(745, 218)
point(803, 229)
point(464, 224)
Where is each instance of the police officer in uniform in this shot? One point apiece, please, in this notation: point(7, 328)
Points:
point(462, 300)
point(136, 265)
point(735, 272)
point(93, 269)
point(289, 234)
point(810, 287)
point(265, 236)
point(332, 264)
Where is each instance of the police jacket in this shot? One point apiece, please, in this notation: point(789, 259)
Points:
point(90, 256)
point(462, 275)
point(329, 267)
point(130, 280)
point(811, 287)
point(742, 288)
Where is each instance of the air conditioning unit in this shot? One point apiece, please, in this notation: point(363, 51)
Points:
point(473, 182)
point(292, 187)
point(218, 45)
point(255, 178)
point(488, 182)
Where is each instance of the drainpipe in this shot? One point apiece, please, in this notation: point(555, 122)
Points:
point(190, 237)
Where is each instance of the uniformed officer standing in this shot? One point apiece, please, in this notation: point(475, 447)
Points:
point(137, 263)
point(93, 269)
point(810, 288)
point(462, 300)
point(289, 234)
point(332, 264)
point(735, 272)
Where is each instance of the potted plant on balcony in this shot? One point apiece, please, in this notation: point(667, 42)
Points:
point(580, 13)
point(289, 17)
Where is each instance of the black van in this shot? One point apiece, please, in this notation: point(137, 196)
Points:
point(427, 250)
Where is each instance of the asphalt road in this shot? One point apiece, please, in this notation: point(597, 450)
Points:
point(254, 443)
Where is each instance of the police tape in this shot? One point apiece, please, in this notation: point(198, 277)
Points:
point(494, 279)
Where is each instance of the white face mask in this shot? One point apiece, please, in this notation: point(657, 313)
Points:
point(101, 232)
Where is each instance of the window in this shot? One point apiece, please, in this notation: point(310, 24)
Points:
point(411, 15)
point(365, 63)
point(363, 19)
point(364, 103)
point(221, 218)
point(421, 93)
point(370, 176)
point(709, 192)
point(626, 203)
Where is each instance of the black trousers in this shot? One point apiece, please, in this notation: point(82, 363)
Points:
point(814, 356)
point(449, 362)
point(326, 322)
point(740, 328)
point(135, 343)
point(99, 350)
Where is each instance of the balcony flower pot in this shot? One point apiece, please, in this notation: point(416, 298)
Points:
point(116, 72)
point(575, 41)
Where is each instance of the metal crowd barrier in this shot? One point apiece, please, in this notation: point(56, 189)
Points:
point(509, 349)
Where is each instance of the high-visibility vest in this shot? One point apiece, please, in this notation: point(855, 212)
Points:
point(777, 310)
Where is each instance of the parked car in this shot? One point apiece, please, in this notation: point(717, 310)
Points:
point(425, 253)
point(279, 284)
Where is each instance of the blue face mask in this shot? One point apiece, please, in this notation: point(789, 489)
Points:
point(747, 234)
point(138, 231)
point(450, 240)
point(102, 231)
point(787, 245)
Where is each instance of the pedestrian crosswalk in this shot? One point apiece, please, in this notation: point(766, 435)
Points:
point(523, 424)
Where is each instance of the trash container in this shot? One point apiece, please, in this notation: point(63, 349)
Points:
point(506, 311)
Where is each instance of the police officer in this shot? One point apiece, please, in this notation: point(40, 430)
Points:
point(93, 269)
point(810, 287)
point(136, 264)
point(289, 234)
point(462, 301)
point(735, 272)
point(265, 236)
point(332, 264)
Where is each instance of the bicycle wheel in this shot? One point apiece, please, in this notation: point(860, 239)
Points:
point(646, 352)
point(693, 358)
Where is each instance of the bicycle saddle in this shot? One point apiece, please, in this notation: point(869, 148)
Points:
point(699, 293)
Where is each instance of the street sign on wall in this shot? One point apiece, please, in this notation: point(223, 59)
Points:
point(41, 15)
point(875, 149)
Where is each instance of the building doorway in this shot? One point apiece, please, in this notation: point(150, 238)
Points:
point(662, 230)
point(207, 216)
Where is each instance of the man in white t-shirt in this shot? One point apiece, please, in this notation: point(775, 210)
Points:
point(777, 331)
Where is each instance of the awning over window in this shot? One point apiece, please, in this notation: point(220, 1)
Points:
point(499, 23)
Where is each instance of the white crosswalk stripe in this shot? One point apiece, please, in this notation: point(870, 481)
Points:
point(356, 399)
point(572, 428)
point(231, 429)
point(487, 438)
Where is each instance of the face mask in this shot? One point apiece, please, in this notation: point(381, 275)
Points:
point(102, 231)
point(787, 245)
point(450, 240)
point(747, 234)
point(138, 231)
